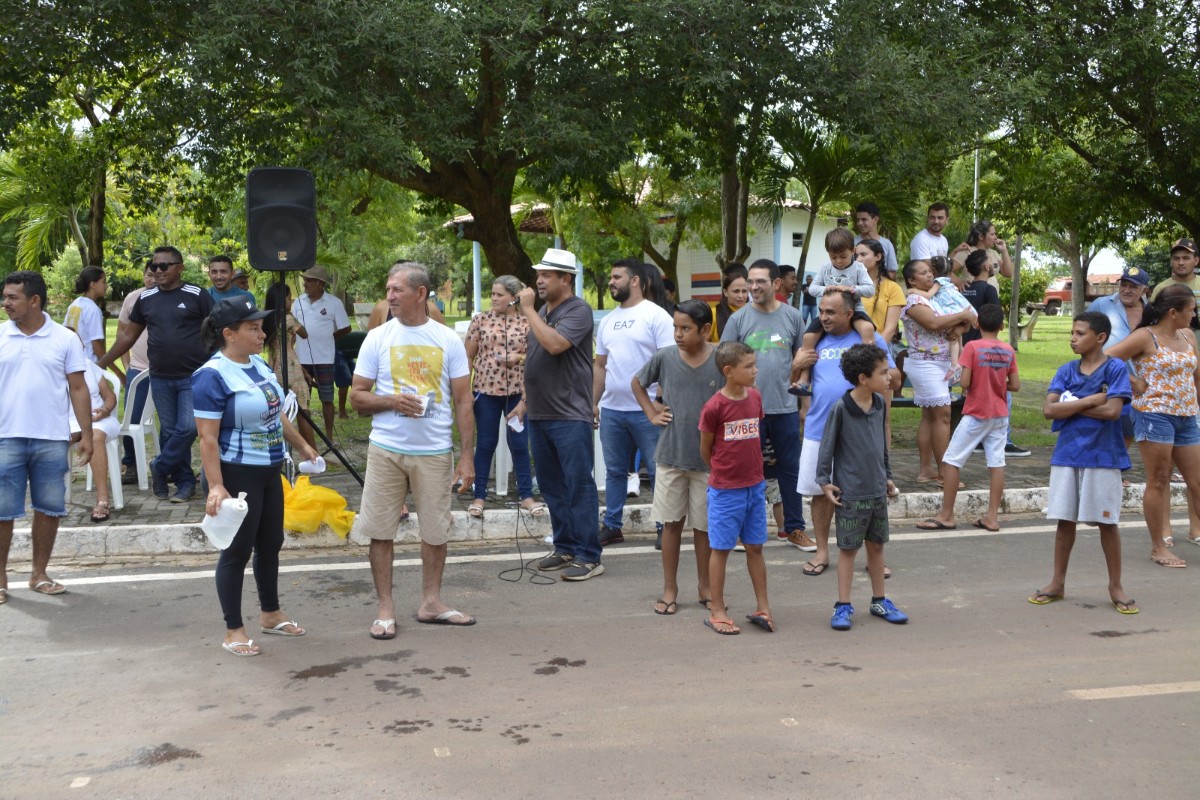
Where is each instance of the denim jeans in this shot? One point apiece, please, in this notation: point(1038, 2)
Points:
point(139, 404)
point(784, 432)
point(176, 429)
point(808, 314)
point(563, 455)
point(621, 433)
point(488, 410)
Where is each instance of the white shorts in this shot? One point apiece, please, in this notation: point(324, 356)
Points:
point(928, 379)
point(993, 433)
point(680, 494)
point(1085, 494)
point(806, 484)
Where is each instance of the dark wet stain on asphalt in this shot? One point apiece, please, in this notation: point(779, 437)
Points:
point(338, 667)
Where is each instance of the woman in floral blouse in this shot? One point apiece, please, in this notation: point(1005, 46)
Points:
point(496, 347)
point(927, 364)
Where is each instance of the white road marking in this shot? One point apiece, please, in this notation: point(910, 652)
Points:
point(478, 558)
point(1142, 690)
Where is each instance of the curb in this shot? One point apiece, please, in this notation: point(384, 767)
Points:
point(113, 541)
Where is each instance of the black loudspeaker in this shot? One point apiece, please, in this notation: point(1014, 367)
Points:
point(281, 218)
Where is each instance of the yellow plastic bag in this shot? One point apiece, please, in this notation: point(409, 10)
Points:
point(306, 506)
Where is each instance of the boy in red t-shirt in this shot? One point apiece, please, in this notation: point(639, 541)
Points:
point(730, 446)
point(989, 372)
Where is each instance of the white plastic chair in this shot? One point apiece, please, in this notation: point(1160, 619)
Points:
point(137, 429)
point(113, 448)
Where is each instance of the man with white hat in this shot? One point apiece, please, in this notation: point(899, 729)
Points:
point(558, 402)
point(322, 320)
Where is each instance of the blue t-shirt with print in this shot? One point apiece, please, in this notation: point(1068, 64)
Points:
point(1084, 441)
point(247, 399)
point(827, 380)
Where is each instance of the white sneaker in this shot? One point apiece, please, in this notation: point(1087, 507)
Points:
point(633, 486)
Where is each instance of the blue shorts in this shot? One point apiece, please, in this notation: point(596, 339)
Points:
point(737, 514)
point(42, 464)
point(342, 376)
point(1165, 429)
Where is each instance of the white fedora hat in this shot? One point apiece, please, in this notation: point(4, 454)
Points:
point(558, 261)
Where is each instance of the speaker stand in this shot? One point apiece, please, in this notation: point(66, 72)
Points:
point(281, 332)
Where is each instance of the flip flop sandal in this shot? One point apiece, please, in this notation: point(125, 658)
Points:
point(278, 630)
point(475, 511)
point(48, 587)
point(812, 568)
point(385, 624)
point(1043, 599)
point(763, 621)
point(3, 596)
point(732, 630)
point(932, 524)
point(1127, 607)
point(536, 510)
point(232, 647)
point(669, 608)
point(1170, 562)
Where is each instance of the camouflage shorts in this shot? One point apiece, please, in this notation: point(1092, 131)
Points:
point(862, 519)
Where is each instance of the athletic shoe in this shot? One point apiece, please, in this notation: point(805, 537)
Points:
point(158, 484)
point(887, 610)
point(579, 571)
point(633, 485)
point(803, 541)
point(610, 536)
point(1013, 451)
point(841, 620)
point(184, 494)
point(553, 561)
point(129, 476)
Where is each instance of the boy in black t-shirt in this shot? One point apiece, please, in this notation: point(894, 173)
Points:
point(978, 292)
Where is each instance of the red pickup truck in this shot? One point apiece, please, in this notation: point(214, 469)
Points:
point(1058, 293)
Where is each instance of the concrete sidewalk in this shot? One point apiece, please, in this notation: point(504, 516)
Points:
point(147, 526)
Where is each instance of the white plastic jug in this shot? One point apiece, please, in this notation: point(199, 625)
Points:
point(221, 529)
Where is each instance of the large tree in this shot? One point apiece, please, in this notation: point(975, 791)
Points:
point(1114, 81)
point(88, 93)
point(454, 101)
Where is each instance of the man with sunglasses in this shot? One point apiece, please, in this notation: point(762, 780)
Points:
point(171, 312)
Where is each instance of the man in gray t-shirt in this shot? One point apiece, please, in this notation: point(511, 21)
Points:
point(558, 407)
point(774, 331)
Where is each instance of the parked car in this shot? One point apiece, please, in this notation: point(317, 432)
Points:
point(1059, 292)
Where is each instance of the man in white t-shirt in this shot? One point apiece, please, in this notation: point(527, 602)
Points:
point(41, 372)
point(625, 340)
point(407, 372)
point(929, 241)
point(322, 320)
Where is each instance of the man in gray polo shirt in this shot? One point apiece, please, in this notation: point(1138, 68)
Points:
point(558, 402)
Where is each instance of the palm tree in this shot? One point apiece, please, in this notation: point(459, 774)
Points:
point(830, 168)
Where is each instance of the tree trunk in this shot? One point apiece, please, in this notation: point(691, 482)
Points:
point(797, 296)
point(731, 187)
point(95, 232)
point(1014, 303)
point(493, 228)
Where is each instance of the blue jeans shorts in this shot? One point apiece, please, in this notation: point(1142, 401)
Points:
point(1165, 429)
point(737, 514)
point(41, 464)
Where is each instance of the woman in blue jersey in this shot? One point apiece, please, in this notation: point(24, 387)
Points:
point(242, 433)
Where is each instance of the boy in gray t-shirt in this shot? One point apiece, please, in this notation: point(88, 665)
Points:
point(687, 376)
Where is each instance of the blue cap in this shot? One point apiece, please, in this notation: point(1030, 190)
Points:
point(1135, 275)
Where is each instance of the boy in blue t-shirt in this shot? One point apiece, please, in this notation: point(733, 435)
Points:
point(1084, 401)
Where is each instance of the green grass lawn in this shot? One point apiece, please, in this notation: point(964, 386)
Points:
point(1037, 360)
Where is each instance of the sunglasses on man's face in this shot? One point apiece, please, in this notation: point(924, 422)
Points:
point(156, 266)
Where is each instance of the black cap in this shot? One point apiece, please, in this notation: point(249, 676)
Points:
point(1184, 244)
point(233, 310)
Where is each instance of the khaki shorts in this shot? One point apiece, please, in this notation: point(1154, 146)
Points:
point(679, 493)
point(388, 480)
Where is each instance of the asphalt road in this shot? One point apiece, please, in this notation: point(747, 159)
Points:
point(119, 688)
